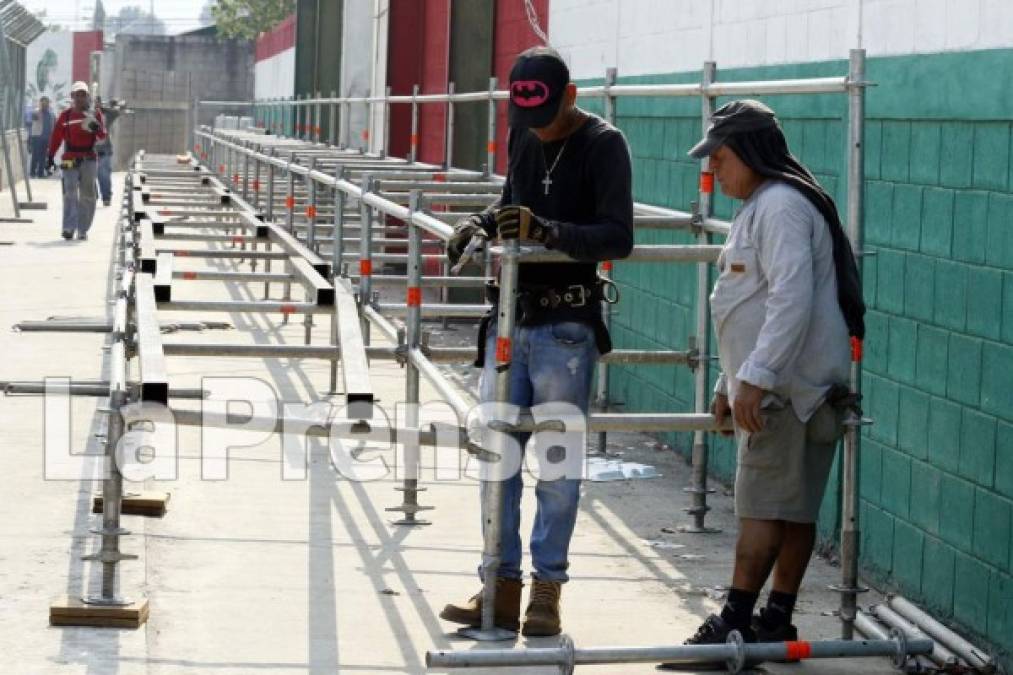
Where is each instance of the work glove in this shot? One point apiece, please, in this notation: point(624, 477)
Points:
point(90, 123)
point(50, 164)
point(464, 230)
point(518, 222)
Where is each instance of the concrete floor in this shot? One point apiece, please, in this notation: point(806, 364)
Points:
point(258, 575)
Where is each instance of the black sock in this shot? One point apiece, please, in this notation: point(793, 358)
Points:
point(738, 609)
point(779, 608)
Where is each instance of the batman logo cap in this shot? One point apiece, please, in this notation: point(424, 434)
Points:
point(537, 82)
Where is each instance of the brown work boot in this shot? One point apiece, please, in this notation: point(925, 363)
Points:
point(507, 611)
point(542, 615)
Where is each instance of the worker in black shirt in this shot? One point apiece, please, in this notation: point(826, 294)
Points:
point(568, 187)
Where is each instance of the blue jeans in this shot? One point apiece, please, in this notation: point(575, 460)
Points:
point(79, 197)
point(39, 147)
point(105, 172)
point(550, 363)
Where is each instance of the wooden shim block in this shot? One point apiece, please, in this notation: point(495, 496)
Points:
point(151, 504)
point(69, 611)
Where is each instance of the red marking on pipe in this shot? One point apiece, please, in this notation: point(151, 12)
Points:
point(503, 349)
point(440, 178)
point(606, 266)
point(190, 276)
point(365, 268)
point(856, 350)
point(256, 185)
point(414, 140)
point(235, 178)
point(181, 254)
point(221, 168)
point(796, 651)
point(165, 212)
point(289, 202)
point(316, 130)
point(414, 296)
point(311, 211)
point(196, 147)
point(706, 182)
point(204, 155)
point(365, 134)
point(490, 146)
point(238, 239)
point(287, 309)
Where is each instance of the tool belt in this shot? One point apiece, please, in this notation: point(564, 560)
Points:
point(537, 305)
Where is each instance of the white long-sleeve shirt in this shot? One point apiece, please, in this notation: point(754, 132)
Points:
point(779, 325)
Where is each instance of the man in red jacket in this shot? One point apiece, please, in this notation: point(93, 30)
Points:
point(77, 128)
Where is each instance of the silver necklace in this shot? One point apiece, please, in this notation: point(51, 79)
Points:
point(547, 181)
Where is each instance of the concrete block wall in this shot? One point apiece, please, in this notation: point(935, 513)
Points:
point(936, 470)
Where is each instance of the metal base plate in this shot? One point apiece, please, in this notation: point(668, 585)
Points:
point(693, 529)
point(407, 521)
point(492, 635)
point(33, 206)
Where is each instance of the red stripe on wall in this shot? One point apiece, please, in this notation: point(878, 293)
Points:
point(404, 69)
point(85, 42)
point(435, 68)
point(276, 40)
point(513, 35)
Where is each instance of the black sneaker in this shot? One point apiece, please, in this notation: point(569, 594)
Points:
point(714, 631)
point(773, 632)
point(783, 632)
point(67, 234)
point(82, 236)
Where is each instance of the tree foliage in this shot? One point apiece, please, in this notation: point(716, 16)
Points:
point(244, 19)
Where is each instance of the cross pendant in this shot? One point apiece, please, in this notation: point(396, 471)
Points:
point(547, 182)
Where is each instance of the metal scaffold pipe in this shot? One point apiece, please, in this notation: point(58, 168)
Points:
point(735, 655)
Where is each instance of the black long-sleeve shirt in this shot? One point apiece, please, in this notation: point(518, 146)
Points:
point(590, 200)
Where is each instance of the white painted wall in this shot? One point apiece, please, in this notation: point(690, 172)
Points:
point(380, 29)
point(357, 63)
point(49, 62)
point(275, 77)
point(658, 36)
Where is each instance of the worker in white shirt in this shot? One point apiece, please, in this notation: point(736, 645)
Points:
point(786, 300)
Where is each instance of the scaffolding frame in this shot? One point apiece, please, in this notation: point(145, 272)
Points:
point(373, 200)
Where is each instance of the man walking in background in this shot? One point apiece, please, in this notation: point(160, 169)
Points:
point(39, 130)
point(104, 148)
point(77, 129)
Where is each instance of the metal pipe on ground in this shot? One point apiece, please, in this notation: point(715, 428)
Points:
point(975, 657)
point(734, 655)
point(939, 653)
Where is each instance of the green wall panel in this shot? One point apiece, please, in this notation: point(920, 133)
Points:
point(936, 470)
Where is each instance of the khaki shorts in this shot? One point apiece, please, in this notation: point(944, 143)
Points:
point(782, 470)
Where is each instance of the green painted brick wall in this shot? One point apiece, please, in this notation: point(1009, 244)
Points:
point(936, 469)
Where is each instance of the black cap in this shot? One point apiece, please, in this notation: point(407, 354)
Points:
point(730, 119)
point(537, 82)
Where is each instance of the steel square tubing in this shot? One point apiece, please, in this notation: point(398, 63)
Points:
point(318, 289)
point(292, 246)
point(163, 277)
point(147, 257)
point(154, 380)
point(354, 364)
